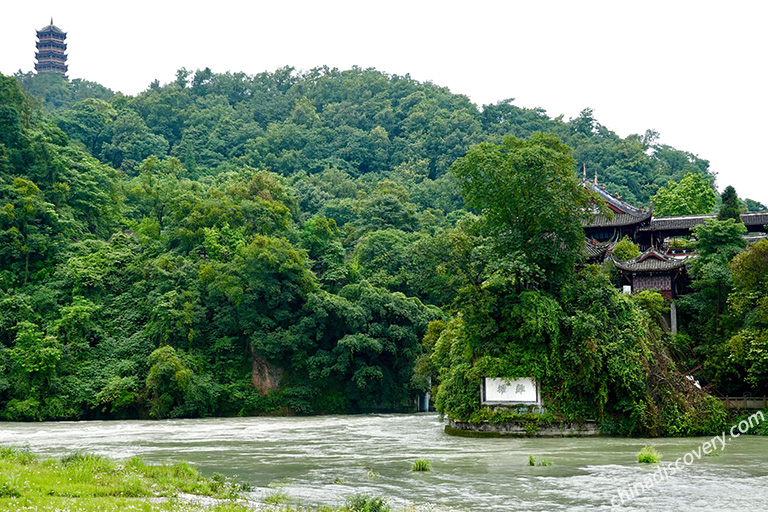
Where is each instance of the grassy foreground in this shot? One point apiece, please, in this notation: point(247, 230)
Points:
point(89, 483)
point(81, 482)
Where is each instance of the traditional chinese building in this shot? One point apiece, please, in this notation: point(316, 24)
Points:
point(660, 266)
point(643, 228)
point(51, 45)
point(653, 270)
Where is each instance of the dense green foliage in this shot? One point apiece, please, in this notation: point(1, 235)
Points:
point(594, 352)
point(155, 295)
point(692, 196)
point(360, 122)
point(625, 249)
point(233, 244)
point(53, 91)
point(530, 200)
point(727, 315)
point(714, 312)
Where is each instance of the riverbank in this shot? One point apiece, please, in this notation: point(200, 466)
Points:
point(90, 483)
point(87, 483)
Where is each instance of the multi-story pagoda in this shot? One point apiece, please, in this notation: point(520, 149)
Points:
point(51, 45)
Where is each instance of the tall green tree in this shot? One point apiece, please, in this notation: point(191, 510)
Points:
point(29, 225)
point(87, 122)
point(730, 209)
point(748, 347)
point(704, 312)
point(692, 196)
point(532, 201)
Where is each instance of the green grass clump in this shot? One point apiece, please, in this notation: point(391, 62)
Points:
point(365, 503)
point(276, 495)
point(421, 465)
point(16, 455)
point(538, 461)
point(7, 490)
point(648, 455)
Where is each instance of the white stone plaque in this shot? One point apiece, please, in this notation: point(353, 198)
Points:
point(524, 391)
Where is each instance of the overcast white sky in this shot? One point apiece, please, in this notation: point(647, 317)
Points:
point(695, 71)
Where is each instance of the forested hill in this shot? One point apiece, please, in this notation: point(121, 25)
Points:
point(234, 244)
point(360, 121)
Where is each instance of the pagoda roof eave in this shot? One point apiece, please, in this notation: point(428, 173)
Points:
point(650, 261)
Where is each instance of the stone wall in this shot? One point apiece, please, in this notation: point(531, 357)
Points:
point(522, 429)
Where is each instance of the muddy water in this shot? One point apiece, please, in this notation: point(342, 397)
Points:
point(322, 460)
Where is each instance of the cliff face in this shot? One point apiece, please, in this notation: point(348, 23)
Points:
point(265, 377)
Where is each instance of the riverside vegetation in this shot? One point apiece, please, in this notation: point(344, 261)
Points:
point(648, 455)
point(85, 483)
point(318, 242)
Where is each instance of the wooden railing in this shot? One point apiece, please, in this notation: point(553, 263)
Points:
point(745, 402)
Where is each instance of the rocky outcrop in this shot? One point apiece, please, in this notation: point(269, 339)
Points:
point(266, 376)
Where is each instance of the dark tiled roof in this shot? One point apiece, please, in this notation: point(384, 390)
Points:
point(51, 28)
point(619, 219)
point(650, 261)
point(683, 222)
point(753, 220)
point(624, 213)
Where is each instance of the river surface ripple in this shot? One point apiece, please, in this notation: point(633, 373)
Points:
point(324, 459)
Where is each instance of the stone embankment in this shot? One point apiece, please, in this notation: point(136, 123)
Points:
point(522, 429)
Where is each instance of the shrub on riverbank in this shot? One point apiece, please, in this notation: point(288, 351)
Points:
point(760, 428)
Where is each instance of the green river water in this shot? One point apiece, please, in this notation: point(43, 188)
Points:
point(323, 459)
